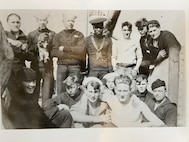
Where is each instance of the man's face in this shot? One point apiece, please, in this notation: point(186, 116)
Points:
point(68, 23)
point(29, 86)
point(92, 94)
point(159, 93)
point(143, 30)
point(72, 89)
point(141, 86)
point(110, 83)
point(154, 32)
point(126, 32)
point(98, 30)
point(122, 92)
point(42, 23)
point(14, 23)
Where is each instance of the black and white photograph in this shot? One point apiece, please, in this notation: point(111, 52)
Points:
point(101, 69)
point(92, 68)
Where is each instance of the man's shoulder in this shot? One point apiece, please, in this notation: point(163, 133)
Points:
point(149, 94)
point(168, 104)
point(78, 32)
point(166, 33)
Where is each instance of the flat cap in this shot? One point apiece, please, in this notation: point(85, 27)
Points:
point(158, 83)
point(26, 74)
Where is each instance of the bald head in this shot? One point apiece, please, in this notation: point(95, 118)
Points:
point(69, 20)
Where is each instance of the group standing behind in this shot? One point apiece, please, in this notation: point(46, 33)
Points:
point(113, 91)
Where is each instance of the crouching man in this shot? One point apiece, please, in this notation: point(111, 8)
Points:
point(24, 112)
point(126, 109)
point(57, 108)
point(90, 111)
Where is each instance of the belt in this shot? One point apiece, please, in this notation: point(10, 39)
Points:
point(125, 65)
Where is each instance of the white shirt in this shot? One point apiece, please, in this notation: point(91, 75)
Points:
point(126, 51)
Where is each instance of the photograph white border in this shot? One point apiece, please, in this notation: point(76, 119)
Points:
point(106, 134)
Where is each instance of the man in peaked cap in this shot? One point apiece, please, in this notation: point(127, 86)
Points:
point(164, 108)
point(98, 47)
point(43, 68)
point(69, 48)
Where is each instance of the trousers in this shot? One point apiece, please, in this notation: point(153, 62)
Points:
point(63, 71)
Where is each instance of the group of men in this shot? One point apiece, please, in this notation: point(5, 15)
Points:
point(97, 85)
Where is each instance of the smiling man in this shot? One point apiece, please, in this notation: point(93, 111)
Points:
point(24, 112)
point(161, 42)
point(126, 109)
point(164, 108)
point(90, 111)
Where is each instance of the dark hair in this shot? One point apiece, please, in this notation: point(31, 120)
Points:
point(95, 85)
point(123, 79)
point(141, 77)
point(153, 23)
point(141, 23)
point(13, 14)
point(128, 24)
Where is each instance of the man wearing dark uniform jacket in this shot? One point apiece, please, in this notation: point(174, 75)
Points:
point(164, 108)
point(99, 49)
point(68, 47)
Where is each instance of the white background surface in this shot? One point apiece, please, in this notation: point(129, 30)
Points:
point(103, 135)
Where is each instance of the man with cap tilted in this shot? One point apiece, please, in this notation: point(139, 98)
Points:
point(68, 47)
point(26, 113)
point(98, 47)
point(41, 39)
point(164, 108)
